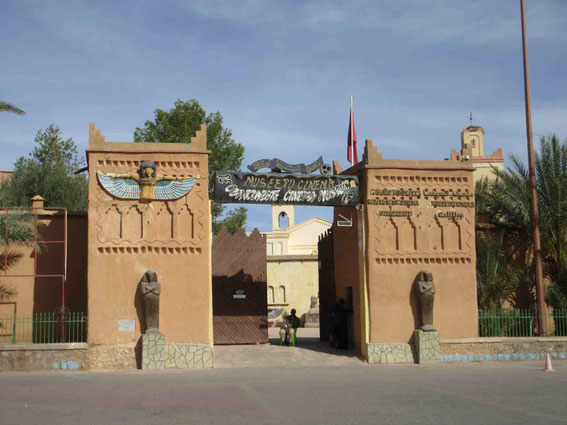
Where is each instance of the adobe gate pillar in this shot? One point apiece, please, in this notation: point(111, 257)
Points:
point(417, 215)
point(128, 236)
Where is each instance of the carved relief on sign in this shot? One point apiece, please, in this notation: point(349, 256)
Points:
point(417, 215)
point(134, 223)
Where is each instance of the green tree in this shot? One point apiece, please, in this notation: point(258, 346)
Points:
point(508, 201)
point(181, 123)
point(8, 107)
point(19, 230)
point(496, 280)
point(48, 172)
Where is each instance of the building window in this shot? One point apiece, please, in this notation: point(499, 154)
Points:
point(281, 294)
point(283, 221)
point(270, 294)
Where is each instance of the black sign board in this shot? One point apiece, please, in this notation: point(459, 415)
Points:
point(281, 189)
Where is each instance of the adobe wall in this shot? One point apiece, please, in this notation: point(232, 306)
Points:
point(127, 237)
point(347, 272)
point(418, 215)
point(5, 175)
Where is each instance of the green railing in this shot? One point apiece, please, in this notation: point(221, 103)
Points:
point(43, 328)
point(520, 323)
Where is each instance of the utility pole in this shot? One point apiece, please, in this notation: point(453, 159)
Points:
point(540, 293)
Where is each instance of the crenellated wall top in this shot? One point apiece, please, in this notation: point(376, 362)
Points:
point(98, 143)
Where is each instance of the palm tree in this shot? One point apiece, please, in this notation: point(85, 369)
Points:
point(8, 107)
point(496, 280)
point(508, 201)
point(20, 228)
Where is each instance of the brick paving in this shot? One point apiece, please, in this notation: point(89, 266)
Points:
point(310, 352)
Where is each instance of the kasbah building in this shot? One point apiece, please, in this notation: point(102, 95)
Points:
point(140, 264)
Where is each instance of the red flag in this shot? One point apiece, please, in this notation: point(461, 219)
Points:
point(352, 155)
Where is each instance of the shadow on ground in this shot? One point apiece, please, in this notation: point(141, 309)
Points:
point(310, 351)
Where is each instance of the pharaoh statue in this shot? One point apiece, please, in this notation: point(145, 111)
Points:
point(312, 316)
point(426, 291)
point(151, 289)
point(314, 308)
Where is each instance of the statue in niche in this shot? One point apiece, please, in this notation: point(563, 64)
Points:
point(151, 289)
point(426, 291)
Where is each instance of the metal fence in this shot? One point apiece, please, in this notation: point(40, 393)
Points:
point(43, 328)
point(520, 323)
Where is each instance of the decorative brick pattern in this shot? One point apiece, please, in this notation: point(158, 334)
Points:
point(427, 347)
point(153, 351)
point(149, 249)
point(388, 353)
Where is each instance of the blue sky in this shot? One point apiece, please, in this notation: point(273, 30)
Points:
point(281, 73)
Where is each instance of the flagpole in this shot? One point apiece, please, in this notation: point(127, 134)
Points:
point(351, 135)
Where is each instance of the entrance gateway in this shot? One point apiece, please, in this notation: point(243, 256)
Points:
point(408, 217)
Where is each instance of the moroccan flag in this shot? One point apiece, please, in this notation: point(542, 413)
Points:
point(352, 155)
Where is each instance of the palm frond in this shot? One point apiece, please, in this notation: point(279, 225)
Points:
point(6, 292)
point(8, 107)
point(8, 259)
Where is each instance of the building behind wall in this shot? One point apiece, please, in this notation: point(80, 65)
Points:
point(293, 273)
point(472, 146)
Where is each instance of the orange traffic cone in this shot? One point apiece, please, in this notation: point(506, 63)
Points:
point(548, 367)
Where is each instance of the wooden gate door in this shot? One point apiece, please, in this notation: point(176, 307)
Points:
point(240, 306)
point(327, 294)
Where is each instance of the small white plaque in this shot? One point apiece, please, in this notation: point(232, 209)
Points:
point(126, 324)
point(239, 296)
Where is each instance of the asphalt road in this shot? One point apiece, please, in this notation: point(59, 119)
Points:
point(515, 393)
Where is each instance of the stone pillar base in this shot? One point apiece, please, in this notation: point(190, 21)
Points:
point(153, 351)
point(311, 320)
point(389, 353)
point(427, 346)
point(156, 354)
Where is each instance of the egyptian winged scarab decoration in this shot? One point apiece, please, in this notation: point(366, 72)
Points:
point(146, 185)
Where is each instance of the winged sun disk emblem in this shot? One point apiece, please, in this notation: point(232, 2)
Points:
point(146, 185)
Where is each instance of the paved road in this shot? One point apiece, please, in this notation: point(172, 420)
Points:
point(518, 393)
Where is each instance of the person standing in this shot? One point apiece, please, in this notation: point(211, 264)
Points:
point(340, 325)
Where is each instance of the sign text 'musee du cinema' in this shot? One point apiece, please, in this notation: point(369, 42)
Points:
point(295, 189)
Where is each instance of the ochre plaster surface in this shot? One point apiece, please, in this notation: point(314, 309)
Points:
point(128, 237)
point(408, 231)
